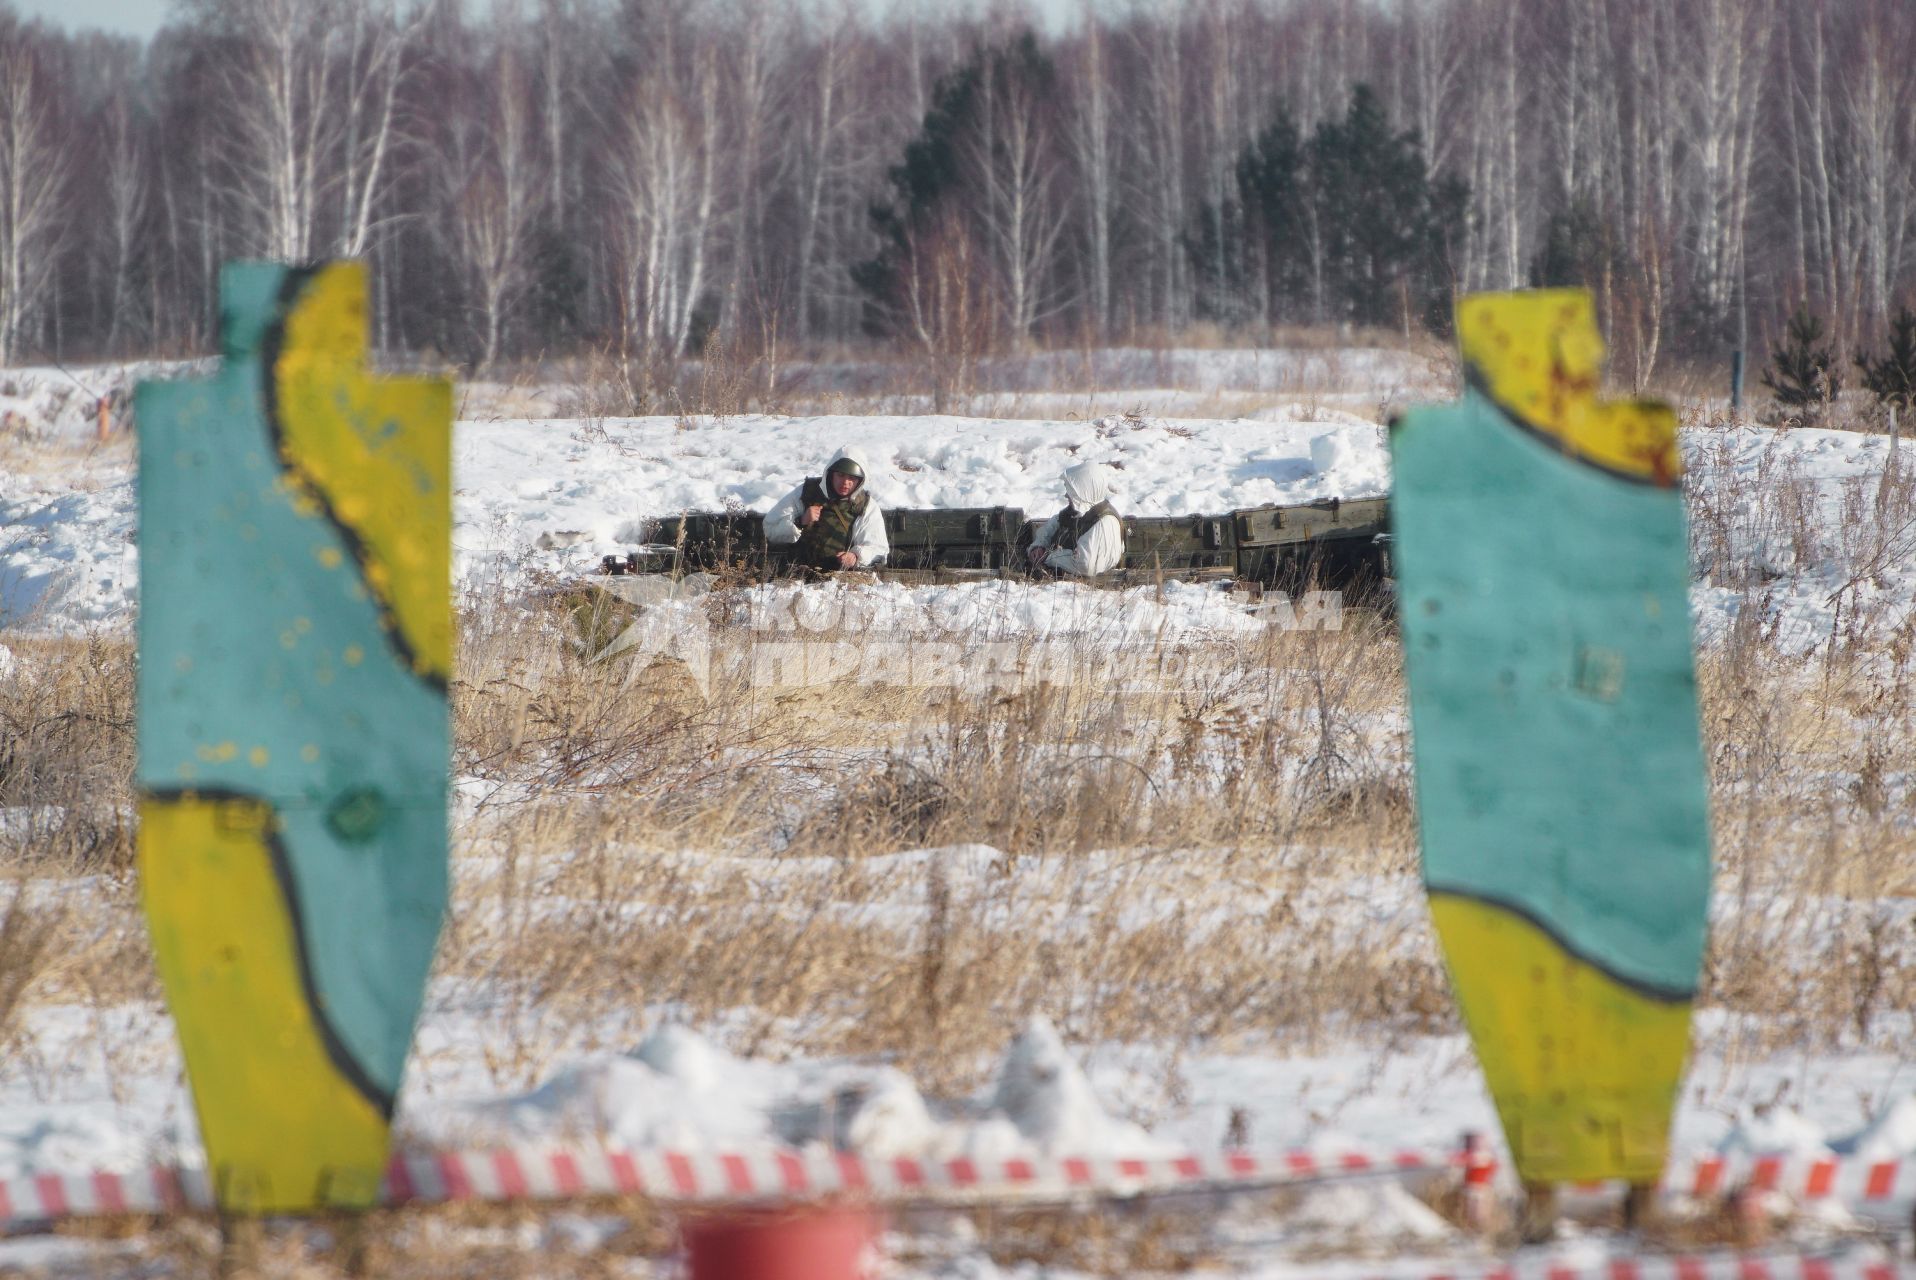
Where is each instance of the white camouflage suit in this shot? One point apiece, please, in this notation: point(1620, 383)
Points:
point(869, 542)
point(1102, 545)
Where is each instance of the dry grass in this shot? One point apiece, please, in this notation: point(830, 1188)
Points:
point(1167, 863)
point(66, 755)
point(1306, 370)
point(1102, 807)
point(1167, 858)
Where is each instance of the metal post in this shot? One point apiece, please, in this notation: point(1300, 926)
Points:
point(1736, 381)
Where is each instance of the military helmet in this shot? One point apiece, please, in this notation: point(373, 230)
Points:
point(846, 467)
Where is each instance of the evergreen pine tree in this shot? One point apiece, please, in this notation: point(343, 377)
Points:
point(932, 175)
point(1217, 244)
point(1580, 248)
point(1376, 212)
point(1892, 379)
point(1352, 211)
point(1802, 372)
point(1244, 254)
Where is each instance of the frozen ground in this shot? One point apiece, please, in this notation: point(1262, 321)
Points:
point(100, 1085)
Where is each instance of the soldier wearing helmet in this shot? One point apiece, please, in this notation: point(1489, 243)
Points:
point(1086, 537)
point(835, 523)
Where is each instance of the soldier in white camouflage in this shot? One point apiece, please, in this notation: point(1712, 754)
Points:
point(1086, 537)
point(834, 522)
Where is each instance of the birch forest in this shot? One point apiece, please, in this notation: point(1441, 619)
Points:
point(546, 178)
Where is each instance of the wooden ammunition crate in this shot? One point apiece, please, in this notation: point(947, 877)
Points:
point(1176, 543)
point(955, 538)
point(930, 526)
point(1330, 517)
point(1357, 563)
point(712, 540)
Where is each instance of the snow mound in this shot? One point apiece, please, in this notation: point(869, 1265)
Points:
point(1045, 1093)
point(1042, 1104)
point(892, 1121)
point(1774, 1130)
point(675, 1090)
point(1889, 1136)
point(678, 1090)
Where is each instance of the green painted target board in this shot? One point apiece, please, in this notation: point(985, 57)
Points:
point(1543, 583)
point(295, 642)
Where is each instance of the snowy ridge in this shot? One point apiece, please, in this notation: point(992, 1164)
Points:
point(553, 496)
point(590, 488)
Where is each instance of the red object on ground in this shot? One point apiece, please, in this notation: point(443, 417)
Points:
point(810, 1243)
point(1479, 1164)
point(1480, 1197)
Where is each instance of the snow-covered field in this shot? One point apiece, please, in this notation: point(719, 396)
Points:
point(551, 496)
point(98, 1083)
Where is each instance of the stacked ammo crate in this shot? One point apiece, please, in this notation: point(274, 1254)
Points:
point(1331, 543)
point(957, 539)
point(709, 542)
point(1188, 547)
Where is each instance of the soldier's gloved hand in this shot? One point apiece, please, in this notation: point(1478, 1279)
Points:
point(847, 559)
point(1036, 554)
point(812, 513)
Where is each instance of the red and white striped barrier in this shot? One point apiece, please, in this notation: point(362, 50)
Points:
point(783, 1174)
point(708, 1177)
point(1871, 1265)
point(1852, 1182)
point(45, 1197)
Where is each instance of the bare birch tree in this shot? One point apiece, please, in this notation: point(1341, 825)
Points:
point(823, 165)
point(646, 169)
point(494, 188)
point(664, 174)
point(33, 174)
point(1094, 151)
point(1011, 162)
point(124, 185)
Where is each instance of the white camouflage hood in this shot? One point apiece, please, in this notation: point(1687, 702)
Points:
point(1086, 484)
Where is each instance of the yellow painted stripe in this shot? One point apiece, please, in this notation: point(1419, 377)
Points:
point(284, 1130)
point(1539, 355)
point(1584, 1071)
point(378, 450)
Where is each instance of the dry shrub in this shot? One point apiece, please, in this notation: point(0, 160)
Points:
point(595, 1239)
point(1262, 769)
point(67, 751)
point(1156, 858)
point(1812, 759)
